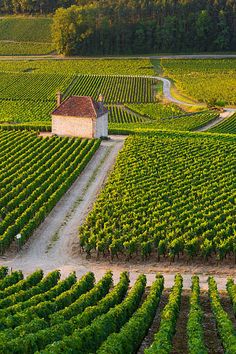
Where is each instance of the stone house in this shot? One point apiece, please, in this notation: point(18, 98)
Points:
point(80, 116)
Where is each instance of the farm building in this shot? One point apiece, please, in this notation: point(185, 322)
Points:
point(80, 116)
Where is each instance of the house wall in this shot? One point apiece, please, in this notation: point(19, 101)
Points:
point(72, 126)
point(102, 126)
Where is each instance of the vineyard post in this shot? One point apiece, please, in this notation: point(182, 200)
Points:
point(18, 237)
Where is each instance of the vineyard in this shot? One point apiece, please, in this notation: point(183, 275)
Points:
point(228, 126)
point(169, 195)
point(35, 173)
point(188, 122)
point(114, 88)
point(48, 315)
point(210, 80)
point(25, 36)
point(156, 111)
point(26, 111)
point(120, 115)
point(168, 201)
point(35, 87)
point(28, 89)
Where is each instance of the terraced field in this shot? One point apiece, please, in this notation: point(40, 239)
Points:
point(169, 195)
point(48, 315)
point(226, 127)
point(34, 174)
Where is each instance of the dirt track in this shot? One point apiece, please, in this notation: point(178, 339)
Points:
point(161, 56)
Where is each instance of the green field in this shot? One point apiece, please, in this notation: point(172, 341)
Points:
point(212, 80)
point(35, 173)
point(168, 195)
point(27, 48)
point(25, 29)
point(45, 314)
point(25, 36)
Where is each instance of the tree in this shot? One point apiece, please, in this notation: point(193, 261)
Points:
point(222, 40)
point(64, 29)
point(203, 28)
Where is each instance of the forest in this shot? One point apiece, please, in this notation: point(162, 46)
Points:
point(136, 26)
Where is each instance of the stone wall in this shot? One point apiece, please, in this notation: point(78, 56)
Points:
point(72, 126)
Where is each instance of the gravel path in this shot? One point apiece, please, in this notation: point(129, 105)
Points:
point(161, 56)
point(228, 112)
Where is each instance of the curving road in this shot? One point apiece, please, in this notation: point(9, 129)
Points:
point(167, 91)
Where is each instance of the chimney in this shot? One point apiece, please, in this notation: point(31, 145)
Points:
point(101, 101)
point(59, 98)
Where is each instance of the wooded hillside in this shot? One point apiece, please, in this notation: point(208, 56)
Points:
point(136, 27)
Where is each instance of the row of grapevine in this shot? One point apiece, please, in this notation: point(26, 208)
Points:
point(82, 316)
point(133, 332)
point(169, 195)
point(37, 126)
point(231, 288)
point(89, 307)
point(228, 126)
point(195, 330)
point(225, 326)
point(118, 114)
point(39, 171)
point(163, 339)
point(156, 110)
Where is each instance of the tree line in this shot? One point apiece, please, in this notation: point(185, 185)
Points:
point(146, 26)
point(136, 26)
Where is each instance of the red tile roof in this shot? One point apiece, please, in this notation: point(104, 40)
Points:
point(81, 107)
